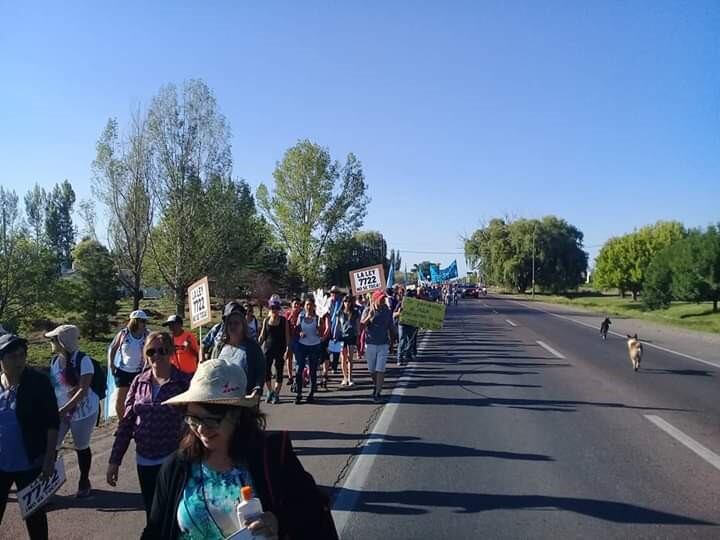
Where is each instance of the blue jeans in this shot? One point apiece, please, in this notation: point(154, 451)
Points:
point(407, 346)
point(307, 355)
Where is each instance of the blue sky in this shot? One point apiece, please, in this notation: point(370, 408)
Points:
point(604, 113)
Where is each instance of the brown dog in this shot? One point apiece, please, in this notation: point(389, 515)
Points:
point(635, 349)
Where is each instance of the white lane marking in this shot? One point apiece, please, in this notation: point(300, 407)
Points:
point(358, 475)
point(708, 455)
point(549, 349)
point(510, 322)
point(623, 336)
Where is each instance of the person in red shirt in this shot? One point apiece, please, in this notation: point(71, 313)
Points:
point(186, 345)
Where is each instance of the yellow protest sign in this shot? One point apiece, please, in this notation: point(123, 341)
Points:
point(422, 314)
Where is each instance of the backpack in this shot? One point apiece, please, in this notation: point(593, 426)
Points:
point(98, 384)
point(319, 502)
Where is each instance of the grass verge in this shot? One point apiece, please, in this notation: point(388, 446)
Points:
point(698, 317)
point(158, 310)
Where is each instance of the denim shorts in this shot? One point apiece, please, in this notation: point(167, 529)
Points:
point(376, 357)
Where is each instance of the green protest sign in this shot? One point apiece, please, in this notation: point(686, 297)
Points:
point(422, 314)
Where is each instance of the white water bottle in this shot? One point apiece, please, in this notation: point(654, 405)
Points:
point(248, 509)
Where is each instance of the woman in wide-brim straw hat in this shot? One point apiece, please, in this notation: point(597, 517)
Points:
point(224, 449)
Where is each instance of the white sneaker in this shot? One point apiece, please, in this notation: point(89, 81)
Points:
point(350, 383)
point(344, 383)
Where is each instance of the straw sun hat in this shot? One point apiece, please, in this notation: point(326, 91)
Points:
point(217, 383)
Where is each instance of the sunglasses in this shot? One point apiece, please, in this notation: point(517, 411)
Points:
point(153, 352)
point(208, 422)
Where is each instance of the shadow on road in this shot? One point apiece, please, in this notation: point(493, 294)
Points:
point(418, 449)
point(410, 502)
point(101, 500)
point(691, 372)
point(552, 405)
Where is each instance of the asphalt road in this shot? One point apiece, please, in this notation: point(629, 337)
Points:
point(496, 436)
point(489, 435)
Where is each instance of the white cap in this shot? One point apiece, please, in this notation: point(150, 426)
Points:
point(68, 335)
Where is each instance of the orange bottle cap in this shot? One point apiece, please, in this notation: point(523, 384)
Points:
point(246, 492)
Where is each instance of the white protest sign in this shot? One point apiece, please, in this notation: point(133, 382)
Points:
point(34, 495)
point(199, 295)
point(369, 279)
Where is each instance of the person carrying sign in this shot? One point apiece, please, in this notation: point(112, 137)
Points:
point(29, 423)
point(406, 335)
point(378, 323)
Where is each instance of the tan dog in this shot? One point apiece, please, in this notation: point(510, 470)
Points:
point(635, 349)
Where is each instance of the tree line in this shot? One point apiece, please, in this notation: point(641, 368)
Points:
point(663, 262)
point(505, 250)
point(175, 213)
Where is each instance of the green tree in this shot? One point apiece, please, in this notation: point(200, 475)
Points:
point(190, 140)
point(488, 249)
point(624, 263)
point(612, 266)
point(124, 180)
point(27, 271)
point(657, 289)
point(97, 294)
point(696, 267)
point(59, 227)
point(503, 252)
point(88, 217)
point(561, 263)
point(35, 206)
point(347, 253)
point(243, 240)
point(314, 202)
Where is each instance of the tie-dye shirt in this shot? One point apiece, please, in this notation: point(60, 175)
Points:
point(208, 491)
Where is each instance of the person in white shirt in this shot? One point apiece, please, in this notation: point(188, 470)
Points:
point(125, 356)
point(71, 373)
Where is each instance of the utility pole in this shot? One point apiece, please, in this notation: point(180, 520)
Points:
point(533, 262)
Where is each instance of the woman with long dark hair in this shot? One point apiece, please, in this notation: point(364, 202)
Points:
point(71, 373)
point(225, 449)
point(275, 342)
point(349, 320)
